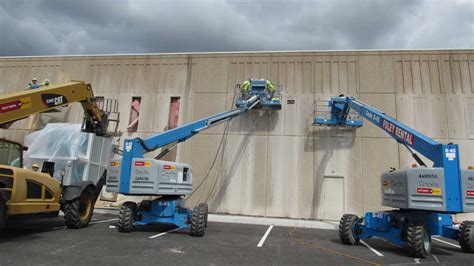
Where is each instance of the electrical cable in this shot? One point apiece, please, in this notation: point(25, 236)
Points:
point(328, 250)
point(224, 135)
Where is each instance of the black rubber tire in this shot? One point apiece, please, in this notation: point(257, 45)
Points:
point(3, 213)
point(466, 236)
point(78, 212)
point(418, 241)
point(127, 215)
point(205, 207)
point(346, 235)
point(197, 221)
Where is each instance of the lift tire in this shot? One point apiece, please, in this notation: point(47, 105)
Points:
point(418, 241)
point(3, 213)
point(346, 233)
point(198, 221)
point(205, 207)
point(78, 212)
point(127, 216)
point(466, 236)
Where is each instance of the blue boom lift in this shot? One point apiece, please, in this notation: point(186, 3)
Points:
point(425, 197)
point(138, 176)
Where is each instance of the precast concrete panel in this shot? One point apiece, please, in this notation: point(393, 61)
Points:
point(206, 104)
point(73, 69)
point(290, 188)
point(106, 76)
point(469, 111)
point(376, 74)
point(385, 103)
point(336, 156)
point(456, 117)
point(466, 153)
point(431, 91)
point(212, 74)
point(147, 111)
point(298, 114)
point(424, 112)
point(378, 155)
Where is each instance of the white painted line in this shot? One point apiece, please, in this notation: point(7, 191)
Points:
point(436, 258)
point(103, 221)
point(164, 233)
point(264, 237)
point(446, 242)
point(371, 248)
point(417, 261)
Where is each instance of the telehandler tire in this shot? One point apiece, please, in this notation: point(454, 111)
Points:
point(78, 212)
point(197, 221)
point(205, 207)
point(466, 236)
point(127, 214)
point(346, 225)
point(418, 241)
point(3, 213)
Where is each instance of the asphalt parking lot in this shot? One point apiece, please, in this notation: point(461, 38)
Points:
point(48, 242)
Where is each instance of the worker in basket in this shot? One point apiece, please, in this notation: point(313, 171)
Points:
point(245, 88)
point(269, 87)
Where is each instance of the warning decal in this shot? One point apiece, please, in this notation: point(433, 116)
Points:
point(143, 163)
point(169, 167)
point(23, 103)
point(469, 192)
point(431, 191)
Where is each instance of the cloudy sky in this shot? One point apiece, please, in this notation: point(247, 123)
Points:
point(57, 27)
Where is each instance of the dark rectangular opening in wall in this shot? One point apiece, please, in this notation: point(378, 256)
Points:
point(134, 114)
point(174, 112)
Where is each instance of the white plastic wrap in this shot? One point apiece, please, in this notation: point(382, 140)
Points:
point(82, 156)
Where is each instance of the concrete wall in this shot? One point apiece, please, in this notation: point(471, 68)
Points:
point(277, 163)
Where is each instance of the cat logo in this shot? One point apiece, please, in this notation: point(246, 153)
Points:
point(52, 100)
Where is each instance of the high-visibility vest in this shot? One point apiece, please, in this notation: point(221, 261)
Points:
point(270, 86)
point(245, 86)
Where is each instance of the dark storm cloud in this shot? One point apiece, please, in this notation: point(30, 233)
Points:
point(87, 27)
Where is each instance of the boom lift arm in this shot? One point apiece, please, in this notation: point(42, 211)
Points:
point(135, 175)
point(136, 148)
point(426, 196)
point(20, 105)
point(445, 156)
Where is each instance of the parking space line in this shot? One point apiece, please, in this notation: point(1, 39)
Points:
point(103, 221)
point(264, 237)
point(164, 233)
point(446, 242)
point(371, 248)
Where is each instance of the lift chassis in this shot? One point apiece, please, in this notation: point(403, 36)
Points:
point(425, 197)
point(170, 181)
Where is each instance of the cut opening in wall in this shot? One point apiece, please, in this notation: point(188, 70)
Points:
point(173, 113)
point(134, 114)
point(173, 118)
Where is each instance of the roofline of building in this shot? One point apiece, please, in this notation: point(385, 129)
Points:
point(243, 52)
